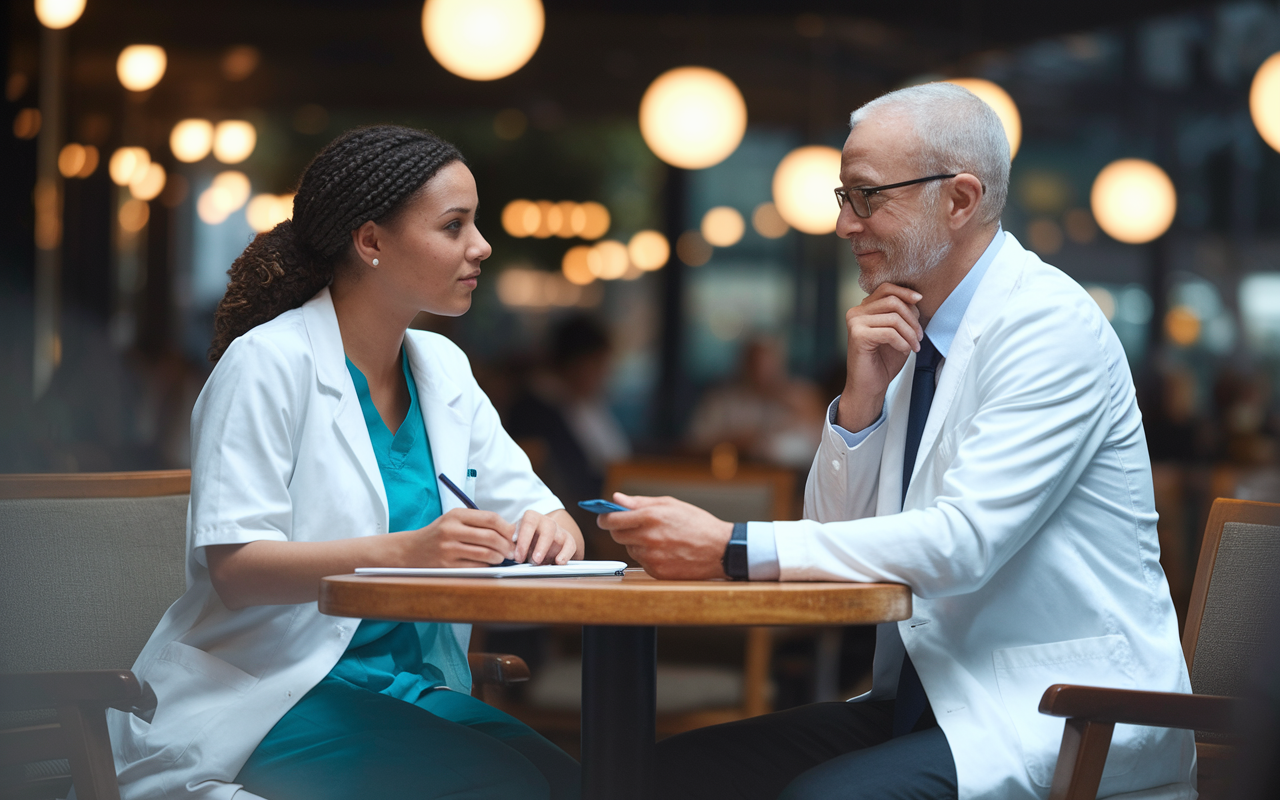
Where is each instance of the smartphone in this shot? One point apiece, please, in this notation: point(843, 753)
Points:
point(601, 506)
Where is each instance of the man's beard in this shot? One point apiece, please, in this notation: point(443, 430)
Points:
point(908, 256)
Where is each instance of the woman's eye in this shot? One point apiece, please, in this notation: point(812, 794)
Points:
point(453, 226)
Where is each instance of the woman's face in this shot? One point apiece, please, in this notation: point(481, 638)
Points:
point(430, 255)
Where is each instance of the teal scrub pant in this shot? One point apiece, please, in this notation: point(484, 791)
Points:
point(341, 741)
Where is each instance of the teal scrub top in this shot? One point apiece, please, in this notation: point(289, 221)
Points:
point(403, 659)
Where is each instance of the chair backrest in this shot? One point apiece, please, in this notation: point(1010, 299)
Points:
point(754, 493)
point(88, 565)
point(1236, 589)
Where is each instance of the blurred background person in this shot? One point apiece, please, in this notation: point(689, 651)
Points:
point(764, 412)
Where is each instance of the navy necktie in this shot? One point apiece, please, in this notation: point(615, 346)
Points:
point(912, 701)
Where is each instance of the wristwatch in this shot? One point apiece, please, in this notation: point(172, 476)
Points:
point(735, 553)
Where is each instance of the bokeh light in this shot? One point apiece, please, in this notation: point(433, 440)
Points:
point(133, 215)
point(1133, 200)
point(1105, 300)
point(562, 225)
point(26, 123)
point(228, 192)
point(768, 222)
point(1264, 101)
point(692, 117)
point(608, 260)
point(723, 226)
point(141, 66)
point(1045, 236)
point(191, 140)
point(649, 250)
point(265, 211)
point(234, 140)
point(549, 219)
point(77, 160)
point(595, 220)
point(482, 40)
point(802, 186)
point(575, 267)
point(128, 164)
point(1182, 326)
point(1080, 226)
point(692, 249)
point(1001, 103)
point(149, 184)
point(59, 14)
point(240, 62)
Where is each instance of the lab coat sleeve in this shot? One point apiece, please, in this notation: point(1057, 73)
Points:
point(242, 448)
point(1043, 383)
point(844, 481)
point(505, 481)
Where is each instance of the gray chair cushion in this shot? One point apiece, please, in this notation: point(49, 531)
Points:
point(84, 581)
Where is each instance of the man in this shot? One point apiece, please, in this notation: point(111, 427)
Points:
point(988, 452)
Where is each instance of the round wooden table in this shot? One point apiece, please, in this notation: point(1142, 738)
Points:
point(619, 616)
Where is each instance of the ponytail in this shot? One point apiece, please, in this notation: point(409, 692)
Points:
point(271, 276)
point(365, 174)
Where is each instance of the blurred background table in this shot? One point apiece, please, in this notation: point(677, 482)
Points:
point(619, 616)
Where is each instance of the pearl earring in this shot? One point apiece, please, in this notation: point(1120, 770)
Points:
point(375, 262)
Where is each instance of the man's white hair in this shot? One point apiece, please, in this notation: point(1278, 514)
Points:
point(956, 132)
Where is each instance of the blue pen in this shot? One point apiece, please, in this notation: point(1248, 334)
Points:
point(469, 503)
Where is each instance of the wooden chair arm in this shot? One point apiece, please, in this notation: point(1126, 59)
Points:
point(1199, 712)
point(22, 691)
point(497, 669)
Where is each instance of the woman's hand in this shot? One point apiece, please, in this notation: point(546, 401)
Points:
point(543, 540)
point(462, 537)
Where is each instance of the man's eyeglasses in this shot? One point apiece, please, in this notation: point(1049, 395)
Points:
point(860, 199)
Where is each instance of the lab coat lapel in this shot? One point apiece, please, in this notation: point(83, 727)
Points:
point(990, 295)
point(448, 430)
point(331, 372)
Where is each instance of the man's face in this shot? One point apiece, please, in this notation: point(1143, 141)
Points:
point(905, 236)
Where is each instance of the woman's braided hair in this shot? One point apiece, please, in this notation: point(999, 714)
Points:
point(365, 174)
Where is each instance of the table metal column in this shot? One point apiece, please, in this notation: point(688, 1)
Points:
point(619, 693)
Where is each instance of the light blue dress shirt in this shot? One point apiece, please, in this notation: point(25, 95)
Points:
point(762, 548)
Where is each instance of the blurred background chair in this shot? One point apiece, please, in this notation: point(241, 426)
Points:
point(1227, 633)
point(88, 564)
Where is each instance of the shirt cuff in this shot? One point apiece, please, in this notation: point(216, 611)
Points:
point(851, 439)
point(762, 552)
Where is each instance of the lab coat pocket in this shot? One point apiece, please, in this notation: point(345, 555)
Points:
point(190, 688)
point(1023, 674)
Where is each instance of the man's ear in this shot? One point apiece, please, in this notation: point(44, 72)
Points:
point(965, 196)
point(367, 241)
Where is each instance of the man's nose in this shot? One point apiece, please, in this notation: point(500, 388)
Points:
point(848, 223)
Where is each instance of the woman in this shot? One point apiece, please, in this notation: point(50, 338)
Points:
point(315, 446)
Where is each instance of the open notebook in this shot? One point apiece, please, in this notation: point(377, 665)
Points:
point(570, 570)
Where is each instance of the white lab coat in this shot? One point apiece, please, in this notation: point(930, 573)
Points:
point(280, 451)
point(1028, 538)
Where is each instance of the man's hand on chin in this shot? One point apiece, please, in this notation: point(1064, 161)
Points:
point(672, 540)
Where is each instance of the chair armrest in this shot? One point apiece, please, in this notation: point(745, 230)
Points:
point(1199, 712)
point(497, 669)
point(22, 691)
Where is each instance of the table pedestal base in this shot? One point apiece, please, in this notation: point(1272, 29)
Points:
point(619, 694)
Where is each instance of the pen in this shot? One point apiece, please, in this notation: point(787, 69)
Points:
point(469, 503)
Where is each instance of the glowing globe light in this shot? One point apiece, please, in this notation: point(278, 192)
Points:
point(692, 117)
point(649, 250)
point(802, 186)
point(59, 14)
point(723, 226)
point(1264, 101)
point(141, 66)
point(191, 140)
point(228, 192)
point(576, 266)
point(482, 40)
point(608, 260)
point(692, 249)
point(71, 160)
point(133, 215)
point(149, 184)
point(1133, 200)
point(128, 164)
point(234, 140)
point(548, 219)
point(1001, 103)
point(564, 225)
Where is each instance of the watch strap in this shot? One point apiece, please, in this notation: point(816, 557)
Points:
point(735, 554)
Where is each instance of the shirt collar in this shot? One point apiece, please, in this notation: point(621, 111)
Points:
point(945, 324)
